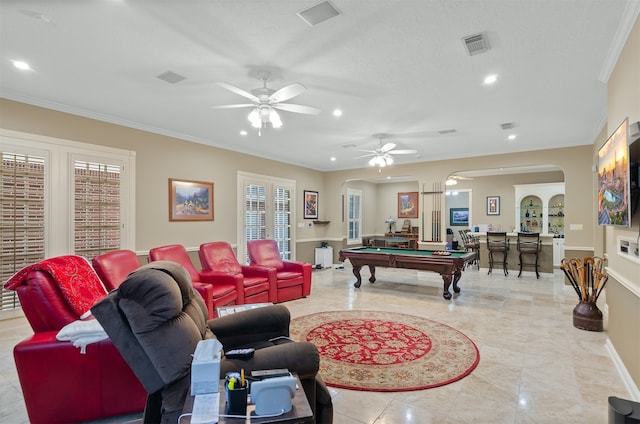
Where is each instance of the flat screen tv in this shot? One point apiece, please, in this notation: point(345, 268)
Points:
point(634, 180)
point(614, 179)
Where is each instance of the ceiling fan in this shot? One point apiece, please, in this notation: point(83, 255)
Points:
point(383, 155)
point(453, 179)
point(266, 100)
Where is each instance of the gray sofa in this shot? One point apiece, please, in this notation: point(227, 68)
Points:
point(155, 319)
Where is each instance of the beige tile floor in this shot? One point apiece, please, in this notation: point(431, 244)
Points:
point(535, 367)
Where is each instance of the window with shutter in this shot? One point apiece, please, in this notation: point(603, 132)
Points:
point(60, 197)
point(22, 216)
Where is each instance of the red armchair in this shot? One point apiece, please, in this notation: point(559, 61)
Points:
point(259, 283)
point(225, 289)
point(293, 279)
point(114, 267)
point(59, 383)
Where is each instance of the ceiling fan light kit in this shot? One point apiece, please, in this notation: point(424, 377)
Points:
point(261, 116)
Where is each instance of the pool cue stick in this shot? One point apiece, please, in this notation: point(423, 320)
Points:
point(423, 206)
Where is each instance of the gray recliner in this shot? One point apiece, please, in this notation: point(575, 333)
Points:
point(155, 319)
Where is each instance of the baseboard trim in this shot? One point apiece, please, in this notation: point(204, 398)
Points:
point(633, 390)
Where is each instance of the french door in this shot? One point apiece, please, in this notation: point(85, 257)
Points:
point(266, 205)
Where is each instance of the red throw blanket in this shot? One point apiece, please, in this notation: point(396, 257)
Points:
point(80, 285)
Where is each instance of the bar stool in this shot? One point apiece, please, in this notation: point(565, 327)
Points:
point(529, 244)
point(471, 244)
point(498, 243)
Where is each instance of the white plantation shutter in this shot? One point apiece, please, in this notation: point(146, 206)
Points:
point(22, 216)
point(255, 212)
point(354, 216)
point(282, 220)
point(96, 208)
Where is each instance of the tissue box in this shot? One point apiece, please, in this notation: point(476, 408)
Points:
point(205, 367)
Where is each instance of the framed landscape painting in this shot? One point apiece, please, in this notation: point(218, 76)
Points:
point(190, 200)
point(408, 204)
point(459, 216)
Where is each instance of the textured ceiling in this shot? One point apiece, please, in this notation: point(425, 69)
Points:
point(394, 67)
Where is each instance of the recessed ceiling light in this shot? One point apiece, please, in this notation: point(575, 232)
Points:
point(21, 65)
point(512, 137)
point(337, 112)
point(333, 158)
point(491, 79)
point(243, 132)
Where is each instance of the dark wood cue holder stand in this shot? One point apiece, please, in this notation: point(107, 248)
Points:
point(587, 316)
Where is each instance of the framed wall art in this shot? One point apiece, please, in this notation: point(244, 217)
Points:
point(493, 205)
point(190, 200)
point(408, 204)
point(310, 204)
point(459, 216)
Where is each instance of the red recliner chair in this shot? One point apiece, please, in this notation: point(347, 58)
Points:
point(59, 383)
point(259, 283)
point(225, 289)
point(293, 279)
point(114, 267)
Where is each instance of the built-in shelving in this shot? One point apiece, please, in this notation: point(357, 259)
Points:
point(531, 217)
point(555, 221)
point(540, 208)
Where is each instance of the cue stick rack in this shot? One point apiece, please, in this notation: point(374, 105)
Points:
point(436, 210)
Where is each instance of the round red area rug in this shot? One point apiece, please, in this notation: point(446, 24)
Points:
point(386, 351)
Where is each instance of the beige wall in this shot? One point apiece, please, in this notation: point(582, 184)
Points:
point(575, 162)
point(623, 292)
point(159, 158)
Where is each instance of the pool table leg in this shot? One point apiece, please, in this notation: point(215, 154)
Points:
point(447, 282)
point(356, 272)
point(448, 279)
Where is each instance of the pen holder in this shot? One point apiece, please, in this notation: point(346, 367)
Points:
point(237, 401)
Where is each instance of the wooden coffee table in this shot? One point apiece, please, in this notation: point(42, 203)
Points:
point(300, 413)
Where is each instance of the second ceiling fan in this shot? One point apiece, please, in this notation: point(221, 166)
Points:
point(383, 155)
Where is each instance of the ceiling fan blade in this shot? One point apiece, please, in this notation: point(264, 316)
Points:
point(365, 156)
point(239, 91)
point(387, 147)
point(234, 106)
point(403, 152)
point(297, 108)
point(287, 92)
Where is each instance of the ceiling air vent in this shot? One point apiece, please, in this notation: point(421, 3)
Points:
point(476, 44)
point(319, 13)
point(508, 126)
point(447, 131)
point(171, 77)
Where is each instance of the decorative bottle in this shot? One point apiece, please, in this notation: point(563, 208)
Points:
point(526, 215)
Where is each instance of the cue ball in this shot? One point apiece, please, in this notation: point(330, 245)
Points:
point(378, 249)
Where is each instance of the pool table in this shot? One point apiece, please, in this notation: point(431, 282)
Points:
point(449, 267)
